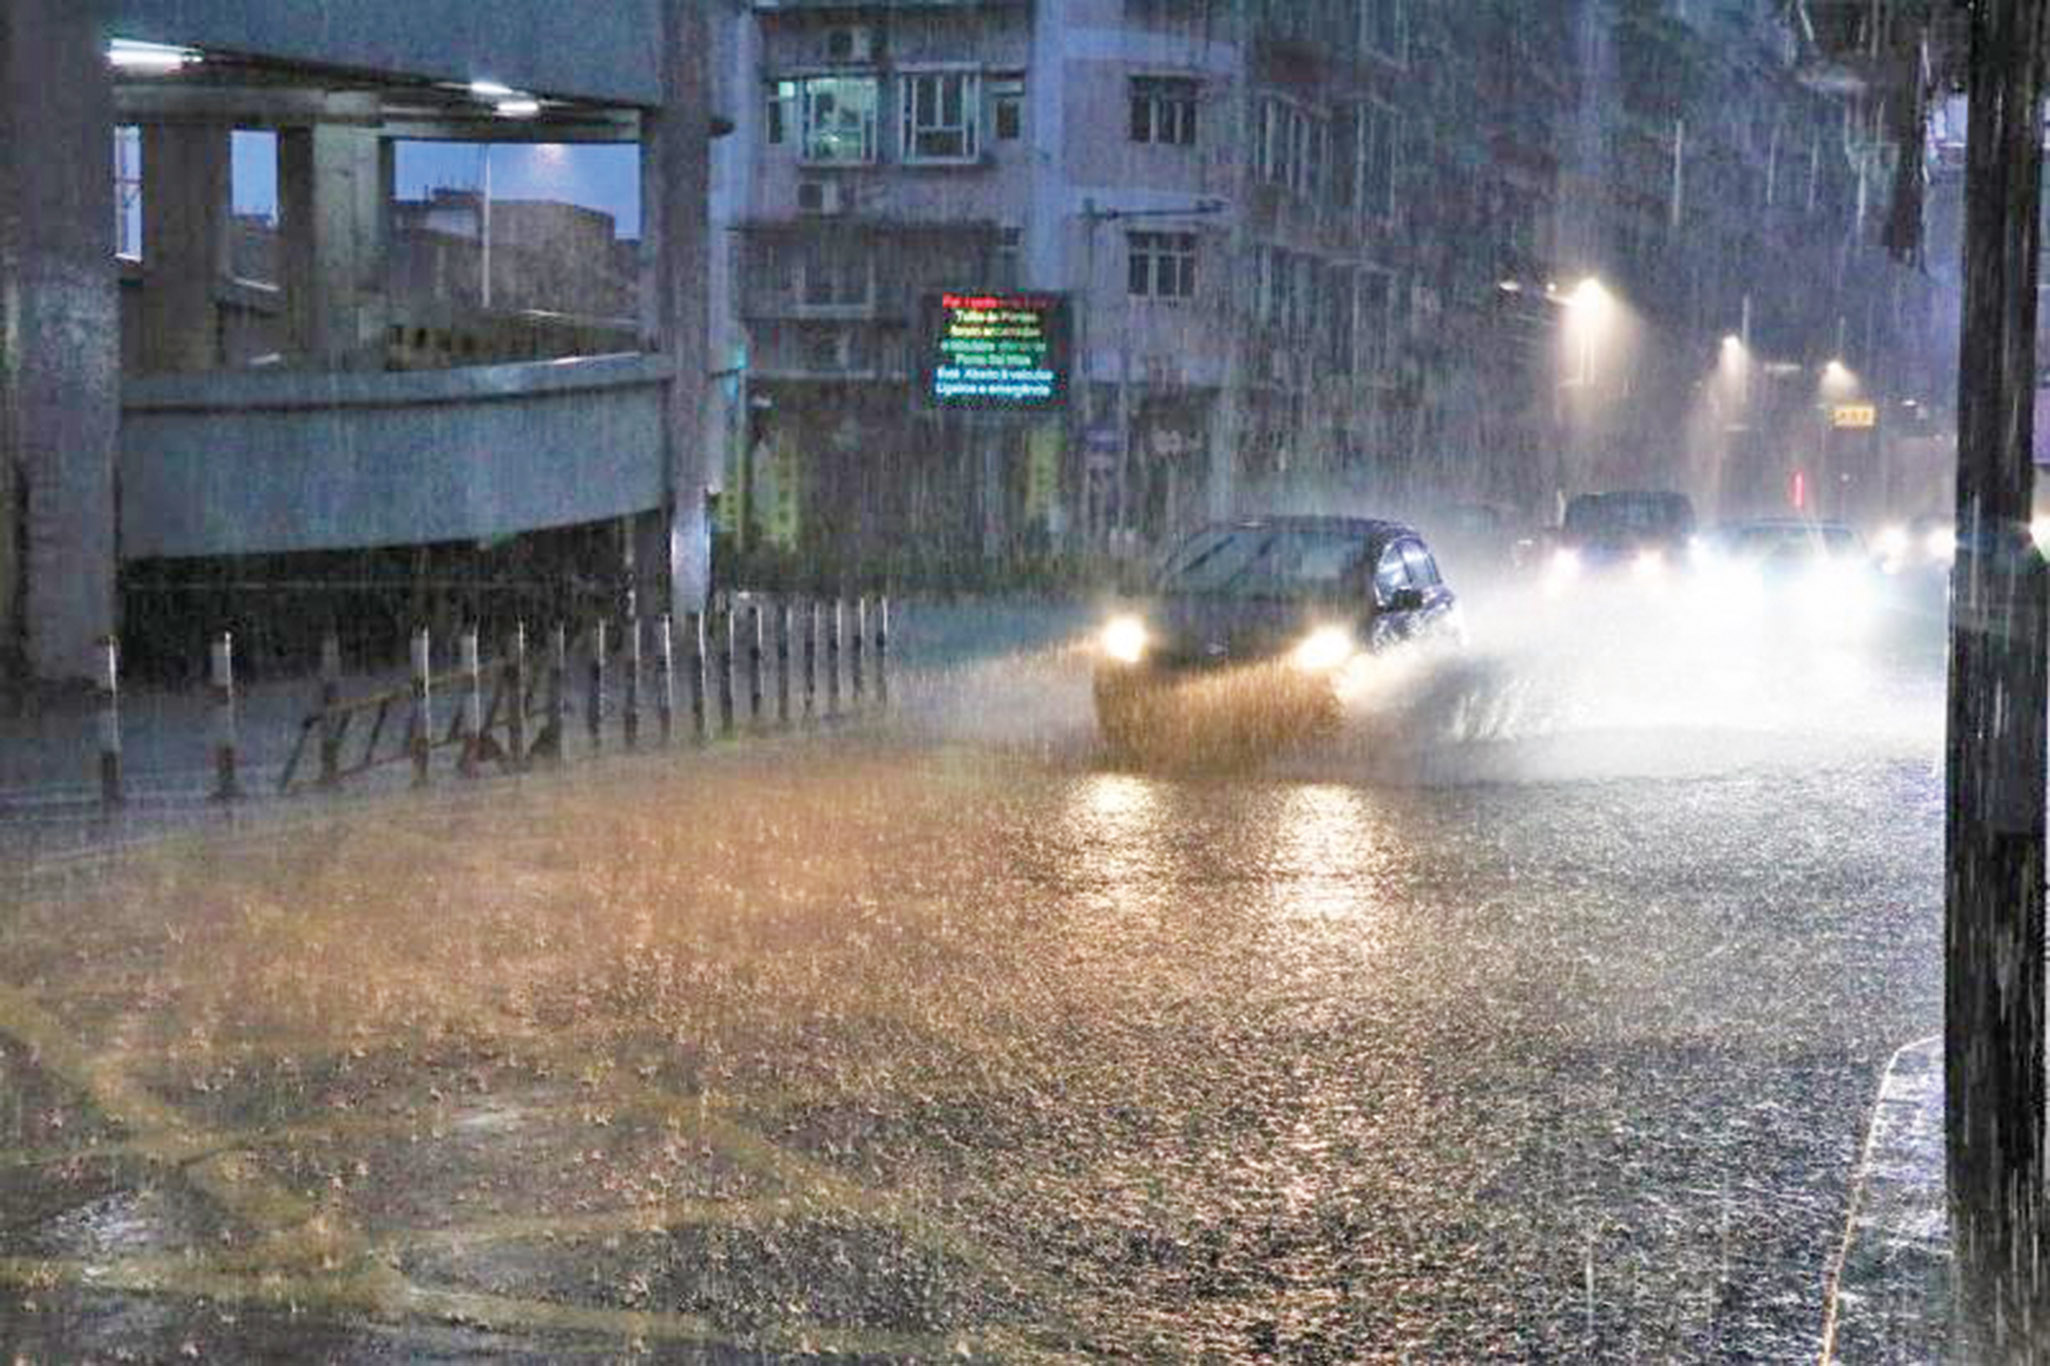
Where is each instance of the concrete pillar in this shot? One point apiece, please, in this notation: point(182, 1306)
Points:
point(675, 190)
point(186, 208)
point(332, 195)
point(59, 339)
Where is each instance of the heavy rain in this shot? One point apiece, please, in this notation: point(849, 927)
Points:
point(1168, 680)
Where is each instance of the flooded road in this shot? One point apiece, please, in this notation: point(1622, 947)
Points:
point(1506, 1025)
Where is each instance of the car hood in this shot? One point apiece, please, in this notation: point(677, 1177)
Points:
point(1217, 629)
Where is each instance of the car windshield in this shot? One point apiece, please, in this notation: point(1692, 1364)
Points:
point(1265, 562)
point(1789, 542)
point(1626, 515)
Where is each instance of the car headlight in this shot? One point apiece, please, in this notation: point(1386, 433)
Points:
point(1565, 564)
point(1327, 647)
point(1649, 564)
point(1124, 639)
point(1893, 542)
point(1940, 544)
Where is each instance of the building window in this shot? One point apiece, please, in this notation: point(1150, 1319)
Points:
point(942, 116)
point(1341, 328)
point(835, 273)
point(1007, 107)
point(1162, 265)
point(1164, 110)
point(1010, 256)
point(839, 114)
point(781, 111)
point(128, 192)
point(1381, 28)
point(1276, 143)
point(1375, 313)
point(1375, 128)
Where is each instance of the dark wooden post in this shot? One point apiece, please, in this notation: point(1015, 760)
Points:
point(694, 639)
point(783, 612)
point(1993, 884)
point(856, 683)
point(811, 658)
point(420, 730)
point(727, 626)
point(631, 719)
point(834, 622)
point(558, 693)
point(754, 663)
point(516, 684)
point(594, 701)
point(330, 709)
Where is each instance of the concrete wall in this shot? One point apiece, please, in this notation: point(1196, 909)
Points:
point(264, 463)
point(592, 50)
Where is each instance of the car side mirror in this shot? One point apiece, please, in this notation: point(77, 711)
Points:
point(1406, 600)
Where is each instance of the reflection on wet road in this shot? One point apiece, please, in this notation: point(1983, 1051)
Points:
point(1478, 1040)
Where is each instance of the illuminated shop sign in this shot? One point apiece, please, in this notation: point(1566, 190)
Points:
point(996, 351)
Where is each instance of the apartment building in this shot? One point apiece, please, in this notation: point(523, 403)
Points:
point(1320, 252)
point(175, 431)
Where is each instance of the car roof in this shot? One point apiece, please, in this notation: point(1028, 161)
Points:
point(1376, 529)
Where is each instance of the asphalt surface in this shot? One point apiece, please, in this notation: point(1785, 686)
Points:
point(1536, 1016)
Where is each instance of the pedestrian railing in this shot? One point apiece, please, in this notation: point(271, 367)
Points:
point(749, 663)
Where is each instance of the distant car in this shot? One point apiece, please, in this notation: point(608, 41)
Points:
point(1816, 575)
point(1925, 544)
point(1267, 615)
point(1646, 532)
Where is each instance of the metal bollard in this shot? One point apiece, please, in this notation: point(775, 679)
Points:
point(330, 709)
point(471, 726)
point(754, 663)
point(811, 658)
point(834, 623)
point(665, 678)
point(227, 786)
point(725, 668)
point(420, 732)
point(631, 719)
point(694, 638)
point(883, 651)
point(111, 794)
point(854, 677)
point(783, 626)
point(558, 693)
point(594, 709)
point(516, 686)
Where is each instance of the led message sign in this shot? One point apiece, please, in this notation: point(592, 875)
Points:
point(996, 351)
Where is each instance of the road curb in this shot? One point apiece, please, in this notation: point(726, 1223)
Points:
point(1890, 1291)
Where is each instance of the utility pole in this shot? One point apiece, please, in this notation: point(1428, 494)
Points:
point(1994, 837)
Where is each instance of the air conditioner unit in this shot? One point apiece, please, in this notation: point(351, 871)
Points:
point(852, 43)
point(821, 197)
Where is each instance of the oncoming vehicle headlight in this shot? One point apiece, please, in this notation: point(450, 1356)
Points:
point(1940, 544)
point(1893, 543)
point(1327, 647)
point(1124, 639)
point(1563, 568)
point(1649, 564)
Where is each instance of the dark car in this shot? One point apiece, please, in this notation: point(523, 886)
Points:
point(1815, 576)
point(1270, 612)
point(1643, 530)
